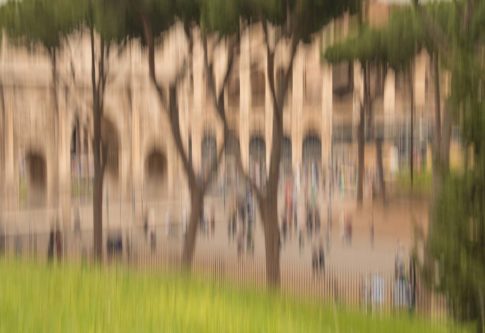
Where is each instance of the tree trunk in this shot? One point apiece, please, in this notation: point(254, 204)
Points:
point(271, 240)
point(196, 213)
point(411, 137)
point(98, 172)
point(380, 169)
point(97, 187)
point(361, 143)
point(446, 139)
point(360, 147)
point(437, 158)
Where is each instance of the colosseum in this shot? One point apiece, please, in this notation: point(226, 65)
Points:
point(46, 150)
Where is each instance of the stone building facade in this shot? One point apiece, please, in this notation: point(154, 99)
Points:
point(46, 156)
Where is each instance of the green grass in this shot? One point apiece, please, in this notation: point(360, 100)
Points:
point(73, 298)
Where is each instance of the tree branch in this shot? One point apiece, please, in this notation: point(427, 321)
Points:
point(438, 36)
point(175, 127)
point(218, 97)
point(294, 48)
point(270, 69)
point(148, 35)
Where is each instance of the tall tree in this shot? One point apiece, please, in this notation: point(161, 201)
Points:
point(107, 25)
point(292, 23)
point(153, 21)
point(456, 237)
point(394, 46)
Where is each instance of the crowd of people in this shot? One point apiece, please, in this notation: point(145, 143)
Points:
point(241, 223)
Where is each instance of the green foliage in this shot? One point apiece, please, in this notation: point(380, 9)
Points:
point(300, 19)
point(71, 298)
point(395, 45)
point(44, 22)
point(458, 243)
point(212, 20)
point(457, 240)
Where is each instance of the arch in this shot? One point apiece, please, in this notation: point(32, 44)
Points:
point(35, 169)
point(257, 148)
point(155, 167)
point(312, 149)
point(111, 140)
point(81, 175)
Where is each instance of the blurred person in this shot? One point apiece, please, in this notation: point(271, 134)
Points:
point(321, 257)
point(213, 222)
point(128, 247)
point(240, 244)
point(153, 241)
point(349, 235)
point(399, 261)
point(249, 204)
point(314, 260)
point(250, 242)
point(301, 243)
point(310, 221)
point(145, 224)
point(284, 229)
point(348, 230)
point(412, 282)
point(58, 241)
point(317, 221)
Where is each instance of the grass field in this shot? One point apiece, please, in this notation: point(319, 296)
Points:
point(73, 298)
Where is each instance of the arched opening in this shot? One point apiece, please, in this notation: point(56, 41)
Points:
point(286, 156)
point(342, 79)
point(257, 160)
point(155, 172)
point(344, 166)
point(312, 159)
point(230, 160)
point(81, 182)
point(343, 86)
point(208, 153)
point(110, 137)
point(35, 175)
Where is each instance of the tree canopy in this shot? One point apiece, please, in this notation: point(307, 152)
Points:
point(44, 22)
point(396, 44)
